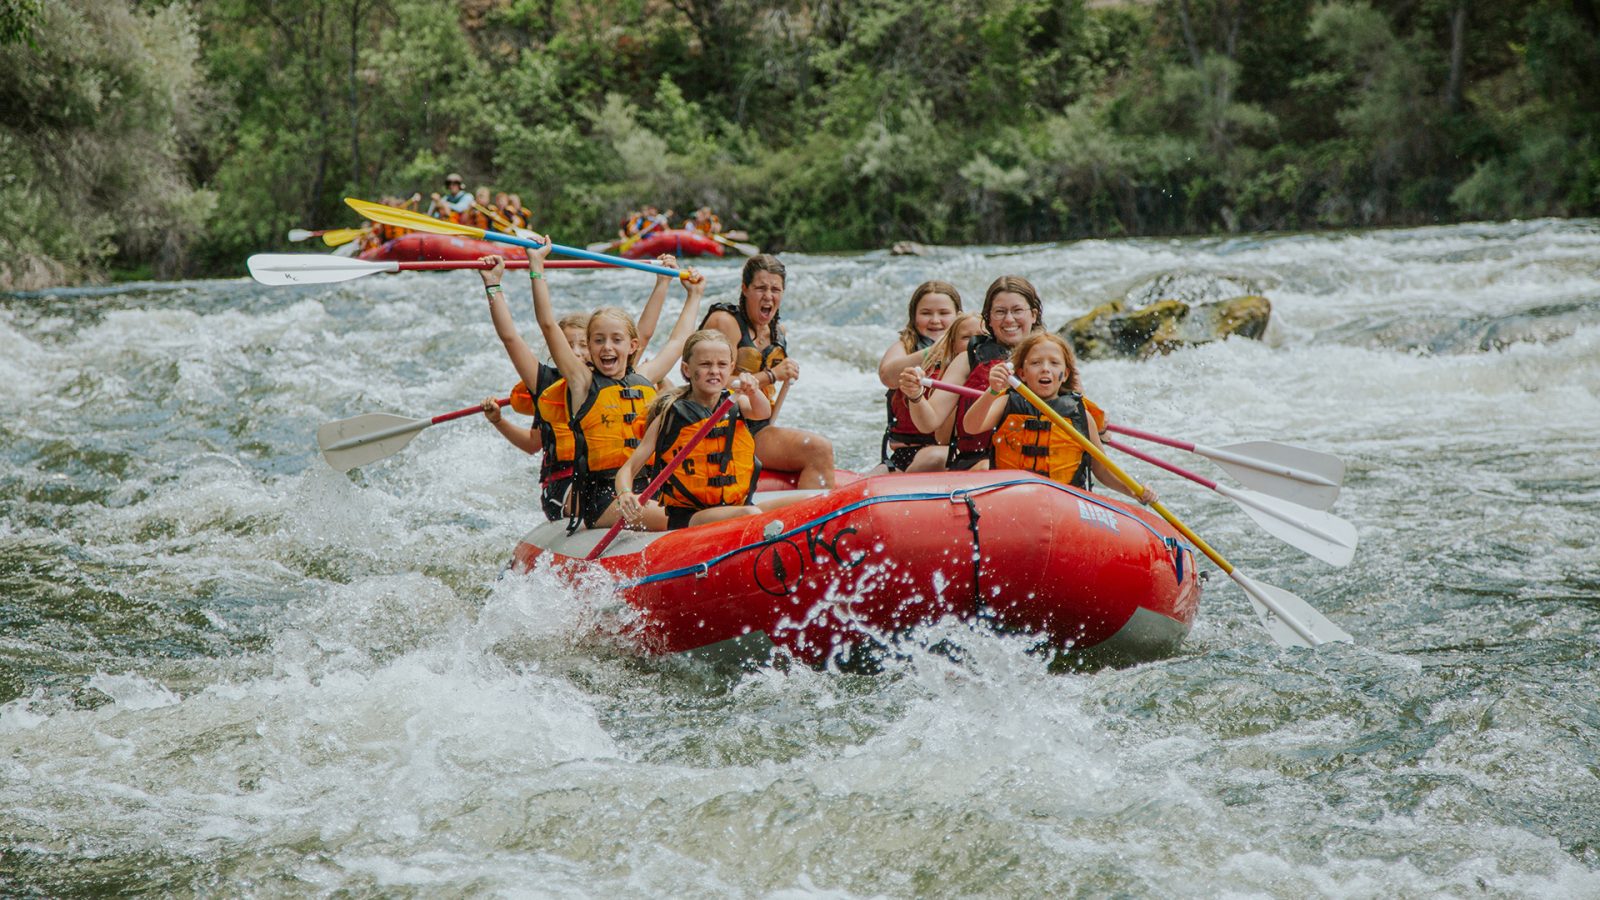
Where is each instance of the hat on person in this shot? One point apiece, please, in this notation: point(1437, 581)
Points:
point(454, 177)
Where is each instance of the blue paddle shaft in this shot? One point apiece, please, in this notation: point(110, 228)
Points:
point(583, 254)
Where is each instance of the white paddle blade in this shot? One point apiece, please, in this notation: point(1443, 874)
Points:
point(1289, 620)
point(599, 246)
point(1320, 534)
point(300, 234)
point(312, 268)
point(1302, 476)
point(349, 443)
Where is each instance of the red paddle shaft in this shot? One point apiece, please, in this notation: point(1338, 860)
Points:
point(446, 417)
point(664, 474)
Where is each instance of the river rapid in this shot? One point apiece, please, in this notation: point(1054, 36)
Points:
point(227, 669)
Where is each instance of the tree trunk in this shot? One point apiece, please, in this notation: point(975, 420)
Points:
point(1188, 33)
point(355, 96)
point(1458, 52)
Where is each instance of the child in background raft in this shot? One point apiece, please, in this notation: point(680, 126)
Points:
point(547, 401)
point(1012, 311)
point(1024, 438)
point(717, 480)
point(607, 396)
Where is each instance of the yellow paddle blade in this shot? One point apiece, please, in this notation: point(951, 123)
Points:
point(405, 218)
point(338, 237)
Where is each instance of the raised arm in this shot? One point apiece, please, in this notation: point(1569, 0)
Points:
point(571, 366)
point(650, 316)
point(657, 367)
point(523, 359)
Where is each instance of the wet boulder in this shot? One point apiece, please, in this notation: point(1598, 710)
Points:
point(1170, 311)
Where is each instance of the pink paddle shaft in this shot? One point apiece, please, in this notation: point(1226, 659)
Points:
point(446, 417)
point(961, 389)
point(1153, 438)
point(433, 264)
point(1155, 461)
point(662, 476)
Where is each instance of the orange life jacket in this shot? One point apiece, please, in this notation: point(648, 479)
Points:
point(610, 422)
point(1026, 439)
point(549, 411)
point(721, 470)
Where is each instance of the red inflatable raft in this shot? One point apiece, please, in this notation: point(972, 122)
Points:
point(420, 247)
point(677, 241)
point(849, 567)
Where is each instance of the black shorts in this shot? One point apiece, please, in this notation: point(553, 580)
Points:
point(679, 516)
point(963, 461)
point(899, 458)
point(597, 494)
point(553, 497)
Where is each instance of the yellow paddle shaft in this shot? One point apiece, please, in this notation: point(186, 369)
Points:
point(406, 218)
point(1127, 480)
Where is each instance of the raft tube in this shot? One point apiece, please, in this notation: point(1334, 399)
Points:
point(1100, 580)
point(420, 247)
point(680, 242)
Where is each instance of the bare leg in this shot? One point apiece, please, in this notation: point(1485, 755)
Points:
point(655, 517)
point(794, 450)
point(722, 513)
point(930, 459)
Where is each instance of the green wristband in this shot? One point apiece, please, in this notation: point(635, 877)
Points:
point(492, 289)
point(535, 274)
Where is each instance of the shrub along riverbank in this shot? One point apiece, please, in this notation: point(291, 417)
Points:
point(178, 139)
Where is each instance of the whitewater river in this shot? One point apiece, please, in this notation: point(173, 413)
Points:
point(227, 669)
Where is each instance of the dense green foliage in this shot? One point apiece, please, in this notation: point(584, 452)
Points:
point(197, 133)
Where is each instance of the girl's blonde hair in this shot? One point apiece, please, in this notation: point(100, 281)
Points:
point(621, 315)
point(1020, 356)
point(579, 321)
point(665, 399)
point(944, 348)
point(909, 334)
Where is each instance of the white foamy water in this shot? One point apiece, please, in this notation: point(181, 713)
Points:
point(227, 669)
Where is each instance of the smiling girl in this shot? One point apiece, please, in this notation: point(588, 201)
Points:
point(717, 480)
point(906, 448)
point(1024, 438)
point(608, 395)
